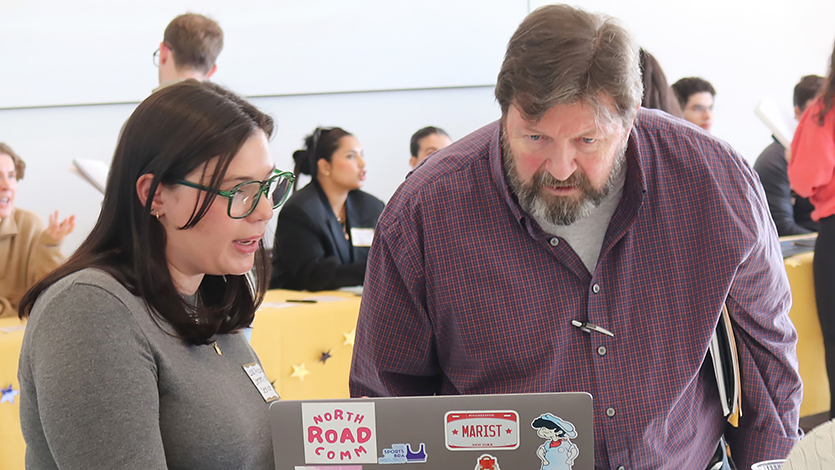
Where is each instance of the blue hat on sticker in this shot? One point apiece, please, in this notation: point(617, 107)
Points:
point(550, 421)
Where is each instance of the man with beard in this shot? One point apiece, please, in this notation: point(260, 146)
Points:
point(584, 244)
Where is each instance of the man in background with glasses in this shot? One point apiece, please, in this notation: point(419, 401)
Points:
point(189, 49)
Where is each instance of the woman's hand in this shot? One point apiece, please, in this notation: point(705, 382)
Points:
point(60, 231)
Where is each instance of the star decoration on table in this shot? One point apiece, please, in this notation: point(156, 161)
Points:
point(349, 337)
point(300, 371)
point(325, 356)
point(8, 395)
point(793, 263)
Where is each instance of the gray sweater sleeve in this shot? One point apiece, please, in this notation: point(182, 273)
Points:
point(94, 382)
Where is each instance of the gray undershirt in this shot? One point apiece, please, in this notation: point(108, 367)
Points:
point(585, 236)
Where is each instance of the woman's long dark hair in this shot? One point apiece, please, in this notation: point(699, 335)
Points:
point(828, 90)
point(171, 134)
point(657, 93)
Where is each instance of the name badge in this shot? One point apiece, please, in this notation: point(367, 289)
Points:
point(362, 236)
point(259, 379)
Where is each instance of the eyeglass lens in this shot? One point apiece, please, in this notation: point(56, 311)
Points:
point(248, 196)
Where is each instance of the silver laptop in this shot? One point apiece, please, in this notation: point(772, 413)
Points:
point(482, 432)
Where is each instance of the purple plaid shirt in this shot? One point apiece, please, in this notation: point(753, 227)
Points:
point(466, 294)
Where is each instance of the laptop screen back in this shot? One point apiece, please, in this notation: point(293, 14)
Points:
point(549, 431)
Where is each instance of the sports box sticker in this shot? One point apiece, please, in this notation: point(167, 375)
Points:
point(479, 430)
point(339, 433)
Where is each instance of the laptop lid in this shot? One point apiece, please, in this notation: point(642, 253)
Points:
point(548, 431)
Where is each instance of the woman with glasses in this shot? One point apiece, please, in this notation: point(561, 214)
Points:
point(326, 228)
point(134, 354)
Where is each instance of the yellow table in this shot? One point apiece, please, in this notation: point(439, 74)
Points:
point(291, 337)
point(804, 315)
point(12, 447)
point(305, 347)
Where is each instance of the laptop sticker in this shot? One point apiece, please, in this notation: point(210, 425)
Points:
point(339, 433)
point(487, 462)
point(403, 453)
point(558, 452)
point(480, 430)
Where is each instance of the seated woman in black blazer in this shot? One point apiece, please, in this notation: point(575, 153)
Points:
point(325, 229)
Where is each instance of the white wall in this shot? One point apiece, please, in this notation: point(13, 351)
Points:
point(425, 63)
point(49, 139)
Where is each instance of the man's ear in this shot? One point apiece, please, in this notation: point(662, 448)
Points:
point(413, 161)
point(164, 53)
point(143, 187)
point(211, 72)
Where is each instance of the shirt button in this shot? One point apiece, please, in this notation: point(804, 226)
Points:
point(555, 241)
point(595, 288)
point(610, 412)
point(621, 468)
point(601, 350)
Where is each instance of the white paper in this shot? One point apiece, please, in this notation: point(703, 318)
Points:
point(780, 121)
point(93, 171)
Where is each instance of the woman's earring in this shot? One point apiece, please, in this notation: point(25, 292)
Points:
point(156, 214)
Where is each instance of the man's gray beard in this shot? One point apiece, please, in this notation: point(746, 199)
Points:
point(558, 210)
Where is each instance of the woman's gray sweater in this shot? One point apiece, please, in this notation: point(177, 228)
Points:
point(104, 386)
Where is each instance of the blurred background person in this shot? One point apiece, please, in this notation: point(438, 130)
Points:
point(28, 251)
point(657, 92)
point(134, 354)
point(695, 95)
point(326, 228)
point(792, 214)
point(425, 142)
point(811, 171)
point(189, 49)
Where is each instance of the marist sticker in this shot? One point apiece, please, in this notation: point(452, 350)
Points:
point(339, 433)
point(480, 430)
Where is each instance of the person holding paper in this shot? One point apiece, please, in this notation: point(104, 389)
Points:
point(812, 175)
point(28, 250)
point(548, 252)
point(326, 228)
point(792, 214)
point(134, 355)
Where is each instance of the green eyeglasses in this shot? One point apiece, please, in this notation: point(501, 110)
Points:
point(244, 197)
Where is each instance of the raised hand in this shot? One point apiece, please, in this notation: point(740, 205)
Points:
point(59, 231)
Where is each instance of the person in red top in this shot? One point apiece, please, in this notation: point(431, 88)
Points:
point(812, 175)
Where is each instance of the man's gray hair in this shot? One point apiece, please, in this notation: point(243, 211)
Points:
point(563, 55)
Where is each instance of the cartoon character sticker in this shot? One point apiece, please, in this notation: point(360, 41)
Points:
point(558, 452)
point(487, 462)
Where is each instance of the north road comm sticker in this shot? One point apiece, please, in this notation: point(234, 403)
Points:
point(480, 430)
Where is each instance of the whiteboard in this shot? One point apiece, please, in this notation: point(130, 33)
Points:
point(100, 51)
